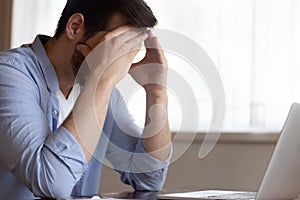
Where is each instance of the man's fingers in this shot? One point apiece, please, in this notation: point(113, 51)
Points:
point(96, 39)
point(156, 43)
point(84, 49)
point(137, 41)
point(105, 35)
point(152, 42)
point(125, 37)
point(154, 49)
point(150, 33)
point(148, 42)
point(117, 37)
point(136, 50)
point(160, 52)
point(119, 31)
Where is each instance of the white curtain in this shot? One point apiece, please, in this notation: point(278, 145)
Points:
point(32, 17)
point(255, 45)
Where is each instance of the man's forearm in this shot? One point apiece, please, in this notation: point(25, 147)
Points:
point(156, 136)
point(87, 118)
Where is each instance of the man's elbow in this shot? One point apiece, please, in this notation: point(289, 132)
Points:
point(149, 186)
point(152, 181)
point(59, 187)
point(53, 179)
point(60, 191)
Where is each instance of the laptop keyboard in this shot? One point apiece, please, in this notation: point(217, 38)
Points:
point(242, 195)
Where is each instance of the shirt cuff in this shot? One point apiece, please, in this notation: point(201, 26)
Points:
point(145, 162)
point(64, 145)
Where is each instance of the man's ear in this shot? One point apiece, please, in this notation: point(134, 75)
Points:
point(75, 28)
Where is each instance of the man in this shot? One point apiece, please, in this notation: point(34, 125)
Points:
point(55, 132)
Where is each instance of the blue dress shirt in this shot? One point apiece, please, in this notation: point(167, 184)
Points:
point(37, 158)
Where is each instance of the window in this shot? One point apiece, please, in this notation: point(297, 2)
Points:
point(254, 44)
point(32, 17)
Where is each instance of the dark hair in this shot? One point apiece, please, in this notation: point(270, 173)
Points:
point(97, 13)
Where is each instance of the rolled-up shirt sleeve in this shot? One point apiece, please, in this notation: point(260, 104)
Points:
point(48, 163)
point(148, 173)
point(127, 155)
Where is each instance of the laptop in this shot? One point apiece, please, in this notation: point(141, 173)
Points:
point(282, 177)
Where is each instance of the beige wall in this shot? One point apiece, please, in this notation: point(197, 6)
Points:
point(237, 162)
point(5, 23)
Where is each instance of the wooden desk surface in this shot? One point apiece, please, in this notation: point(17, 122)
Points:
point(132, 195)
point(121, 195)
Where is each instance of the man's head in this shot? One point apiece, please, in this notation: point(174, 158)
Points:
point(98, 13)
point(93, 16)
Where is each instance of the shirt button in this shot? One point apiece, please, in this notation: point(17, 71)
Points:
point(54, 112)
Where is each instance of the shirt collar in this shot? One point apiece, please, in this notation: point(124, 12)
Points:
point(45, 64)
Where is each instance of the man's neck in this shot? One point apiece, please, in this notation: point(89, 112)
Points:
point(60, 55)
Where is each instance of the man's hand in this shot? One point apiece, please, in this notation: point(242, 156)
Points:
point(151, 71)
point(110, 54)
point(109, 57)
